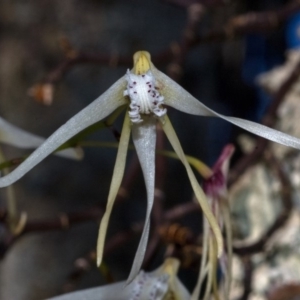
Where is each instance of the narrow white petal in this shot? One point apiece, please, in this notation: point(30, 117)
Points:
point(180, 99)
point(96, 111)
point(170, 132)
point(114, 186)
point(12, 135)
point(144, 138)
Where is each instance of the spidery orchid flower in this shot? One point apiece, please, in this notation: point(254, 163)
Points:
point(160, 284)
point(145, 90)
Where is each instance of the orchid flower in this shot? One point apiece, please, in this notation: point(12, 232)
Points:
point(160, 284)
point(145, 91)
point(215, 188)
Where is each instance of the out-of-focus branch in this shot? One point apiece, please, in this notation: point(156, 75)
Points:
point(66, 220)
point(260, 22)
point(248, 272)
point(63, 221)
point(181, 48)
point(256, 22)
point(286, 291)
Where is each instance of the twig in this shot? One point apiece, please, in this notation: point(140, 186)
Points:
point(180, 50)
point(248, 272)
point(181, 210)
point(63, 221)
point(259, 22)
point(235, 27)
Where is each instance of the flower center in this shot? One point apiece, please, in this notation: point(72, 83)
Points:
point(144, 96)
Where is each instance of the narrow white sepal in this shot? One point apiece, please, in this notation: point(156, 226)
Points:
point(144, 139)
point(116, 181)
point(96, 111)
point(180, 99)
point(173, 139)
point(14, 136)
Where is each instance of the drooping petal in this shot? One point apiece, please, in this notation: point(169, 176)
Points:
point(170, 132)
point(114, 186)
point(96, 111)
point(144, 138)
point(180, 99)
point(12, 135)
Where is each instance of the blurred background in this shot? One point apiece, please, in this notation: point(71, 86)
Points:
point(56, 57)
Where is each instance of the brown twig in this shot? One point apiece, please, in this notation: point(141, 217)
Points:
point(84, 58)
point(180, 49)
point(181, 210)
point(63, 221)
point(66, 220)
point(235, 27)
point(248, 272)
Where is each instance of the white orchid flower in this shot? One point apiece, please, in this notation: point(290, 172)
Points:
point(146, 91)
point(14, 136)
point(161, 284)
